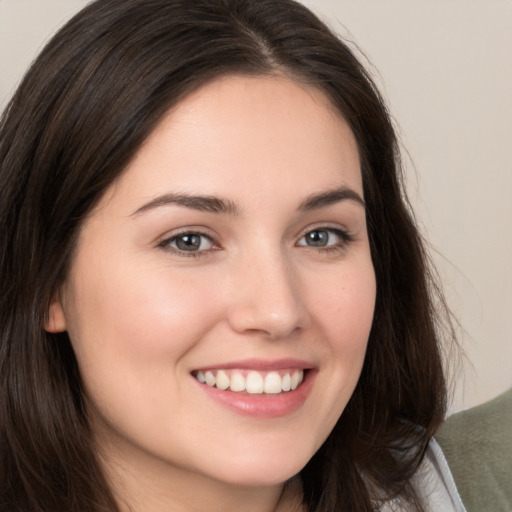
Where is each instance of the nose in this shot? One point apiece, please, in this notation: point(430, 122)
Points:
point(266, 298)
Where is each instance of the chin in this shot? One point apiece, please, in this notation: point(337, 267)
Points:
point(253, 472)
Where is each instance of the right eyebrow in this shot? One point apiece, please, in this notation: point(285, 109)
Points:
point(209, 204)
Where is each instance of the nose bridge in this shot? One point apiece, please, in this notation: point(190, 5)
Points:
point(267, 297)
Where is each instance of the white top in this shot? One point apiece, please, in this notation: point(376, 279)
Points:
point(434, 484)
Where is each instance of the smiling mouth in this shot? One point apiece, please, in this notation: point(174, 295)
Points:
point(251, 381)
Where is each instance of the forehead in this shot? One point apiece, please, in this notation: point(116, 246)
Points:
point(264, 132)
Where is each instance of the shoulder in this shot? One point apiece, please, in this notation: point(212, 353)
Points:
point(434, 484)
point(484, 425)
point(478, 447)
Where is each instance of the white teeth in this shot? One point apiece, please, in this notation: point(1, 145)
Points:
point(210, 378)
point(253, 382)
point(222, 380)
point(296, 379)
point(286, 383)
point(237, 382)
point(272, 383)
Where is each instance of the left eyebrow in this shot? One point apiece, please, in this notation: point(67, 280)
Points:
point(330, 197)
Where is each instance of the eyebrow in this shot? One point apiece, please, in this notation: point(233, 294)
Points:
point(213, 204)
point(209, 204)
point(329, 197)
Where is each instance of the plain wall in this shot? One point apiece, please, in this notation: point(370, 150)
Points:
point(444, 66)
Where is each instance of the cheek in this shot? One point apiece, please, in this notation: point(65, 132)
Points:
point(133, 317)
point(344, 307)
point(343, 311)
point(131, 330)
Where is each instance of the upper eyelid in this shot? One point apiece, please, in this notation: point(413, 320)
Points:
point(199, 230)
point(325, 226)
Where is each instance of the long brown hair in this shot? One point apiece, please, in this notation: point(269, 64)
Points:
point(89, 101)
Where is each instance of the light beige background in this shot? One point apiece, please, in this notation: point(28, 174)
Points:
point(445, 68)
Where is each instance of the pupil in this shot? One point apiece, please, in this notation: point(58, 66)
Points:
point(317, 238)
point(188, 242)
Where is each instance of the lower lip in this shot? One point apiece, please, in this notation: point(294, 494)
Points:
point(265, 405)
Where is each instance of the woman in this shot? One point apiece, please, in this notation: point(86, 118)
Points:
point(214, 294)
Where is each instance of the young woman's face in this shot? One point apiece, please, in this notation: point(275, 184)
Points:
point(233, 250)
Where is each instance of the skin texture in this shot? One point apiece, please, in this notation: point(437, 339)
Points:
point(143, 315)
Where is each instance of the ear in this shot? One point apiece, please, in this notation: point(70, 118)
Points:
point(56, 320)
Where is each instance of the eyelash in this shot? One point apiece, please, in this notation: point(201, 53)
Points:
point(345, 238)
point(166, 244)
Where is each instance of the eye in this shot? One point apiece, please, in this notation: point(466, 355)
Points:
point(325, 238)
point(188, 242)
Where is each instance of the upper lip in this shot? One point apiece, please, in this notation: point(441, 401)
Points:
point(261, 365)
